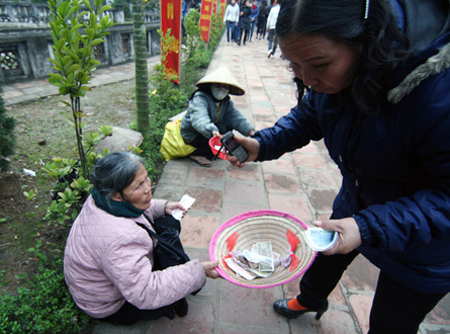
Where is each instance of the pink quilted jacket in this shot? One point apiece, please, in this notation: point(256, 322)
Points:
point(109, 259)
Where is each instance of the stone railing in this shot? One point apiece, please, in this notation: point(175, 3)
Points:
point(26, 44)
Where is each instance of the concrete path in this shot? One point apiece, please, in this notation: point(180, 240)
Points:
point(302, 183)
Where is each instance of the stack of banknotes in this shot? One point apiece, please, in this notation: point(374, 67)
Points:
point(260, 261)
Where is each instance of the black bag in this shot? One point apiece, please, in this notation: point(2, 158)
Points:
point(169, 251)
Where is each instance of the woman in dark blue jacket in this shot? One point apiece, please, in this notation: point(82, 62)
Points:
point(377, 82)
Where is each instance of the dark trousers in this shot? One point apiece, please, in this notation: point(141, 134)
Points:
point(128, 314)
point(231, 26)
point(245, 33)
point(202, 147)
point(395, 309)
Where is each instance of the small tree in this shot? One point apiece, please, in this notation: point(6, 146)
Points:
point(7, 137)
point(141, 69)
point(74, 35)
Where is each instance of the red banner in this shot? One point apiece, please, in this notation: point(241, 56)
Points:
point(205, 19)
point(223, 5)
point(215, 7)
point(171, 19)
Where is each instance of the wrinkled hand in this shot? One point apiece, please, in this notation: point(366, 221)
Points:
point(175, 205)
point(349, 235)
point(210, 270)
point(252, 147)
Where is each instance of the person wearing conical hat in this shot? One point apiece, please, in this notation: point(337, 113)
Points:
point(212, 113)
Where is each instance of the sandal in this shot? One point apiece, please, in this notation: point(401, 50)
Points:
point(202, 161)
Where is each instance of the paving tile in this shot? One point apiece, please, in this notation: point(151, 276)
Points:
point(318, 178)
point(197, 230)
point(243, 191)
point(206, 177)
point(248, 307)
point(199, 320)
point(310, 161)
point(322, 199)
point(207, 200)
point(334, 321)
point(250, 172)
point(361, 275)
point(361, 305)
point(280, 166)
point(234, 209)
point(296, 205)
point(282, 183)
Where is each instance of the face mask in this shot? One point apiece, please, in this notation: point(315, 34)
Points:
point(219, 93)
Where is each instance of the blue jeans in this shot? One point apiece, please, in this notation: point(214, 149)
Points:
point(237, 32)
point(230, 28)
point(273, 41)
point(252, 28)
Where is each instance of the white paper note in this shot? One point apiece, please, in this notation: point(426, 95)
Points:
point(186, 201)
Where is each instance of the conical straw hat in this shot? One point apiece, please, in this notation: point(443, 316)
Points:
point(242, 231)
point(224, 76)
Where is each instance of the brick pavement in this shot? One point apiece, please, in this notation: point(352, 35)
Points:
point(302, 183)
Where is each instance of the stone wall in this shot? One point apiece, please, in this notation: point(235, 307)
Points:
point(25, 41)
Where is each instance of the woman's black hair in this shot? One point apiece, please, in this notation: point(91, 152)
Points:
point(114, 172)
point(382, 45)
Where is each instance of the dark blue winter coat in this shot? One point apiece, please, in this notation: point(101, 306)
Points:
point(395, 167)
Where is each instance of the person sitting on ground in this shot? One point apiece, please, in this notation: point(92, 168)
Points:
point(212, 113)
point(109, 261)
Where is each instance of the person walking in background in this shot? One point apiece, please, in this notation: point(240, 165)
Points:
point(231, 18)
point(254, 18)
point(262, 20)
point(237, 30)
point(373, 81)
point(271, 24)
point(245, 21)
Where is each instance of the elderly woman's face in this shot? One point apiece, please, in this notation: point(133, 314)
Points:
point(321, 63)
point(139, 192)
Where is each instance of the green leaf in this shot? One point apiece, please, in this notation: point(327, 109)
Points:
point(57, 83)
point(72, 68)
point(106, 7)
point(57, 76)
point(97, 41)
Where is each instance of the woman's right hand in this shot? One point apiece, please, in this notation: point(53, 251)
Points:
point(252, 147)
point(210, 270)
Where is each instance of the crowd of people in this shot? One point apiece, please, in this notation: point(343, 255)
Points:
point(244, 19)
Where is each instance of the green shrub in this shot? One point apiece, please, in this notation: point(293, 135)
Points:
point(44, 305)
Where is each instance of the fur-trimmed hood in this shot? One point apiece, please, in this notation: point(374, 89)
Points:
point(423, 21)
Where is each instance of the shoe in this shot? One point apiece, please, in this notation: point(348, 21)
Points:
point(269, 54)
point(202, 161)
point(281, 307)
point(182, 308)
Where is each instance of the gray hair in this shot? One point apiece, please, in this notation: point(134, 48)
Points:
point(114, 172)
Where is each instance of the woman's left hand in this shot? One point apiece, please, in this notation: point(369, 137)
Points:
point(349, 235)
point(175, 205)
